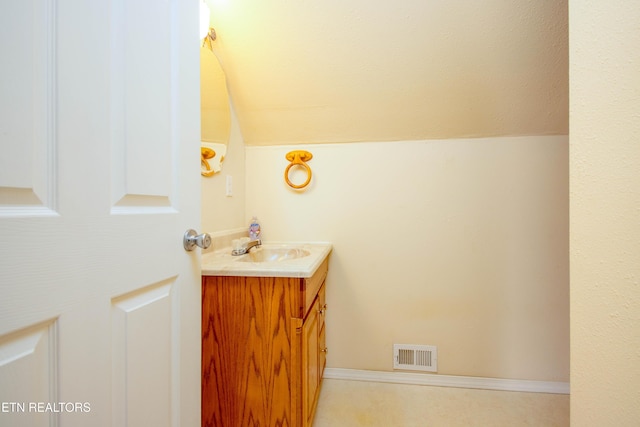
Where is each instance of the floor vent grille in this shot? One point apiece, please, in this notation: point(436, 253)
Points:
point(415, 357)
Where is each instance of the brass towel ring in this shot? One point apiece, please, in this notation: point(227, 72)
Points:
point(205, 154)
point(298, 157)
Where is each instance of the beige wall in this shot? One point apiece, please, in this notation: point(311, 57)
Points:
point(605, 213)
point(461, 244)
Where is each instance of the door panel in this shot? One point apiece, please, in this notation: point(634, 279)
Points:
point(143, 78)
point(99, 180)
point(142, 326)
point(27, 99)
point(27, 361)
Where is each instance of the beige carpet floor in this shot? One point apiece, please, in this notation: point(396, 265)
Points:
point(346, 403)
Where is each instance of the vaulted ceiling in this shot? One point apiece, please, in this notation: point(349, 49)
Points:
point(317, 71)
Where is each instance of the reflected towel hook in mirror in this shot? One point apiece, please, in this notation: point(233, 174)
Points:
point(205, 168)
point(210, 37)
point(298, 157)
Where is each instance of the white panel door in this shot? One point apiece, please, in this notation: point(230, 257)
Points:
point(99, 180)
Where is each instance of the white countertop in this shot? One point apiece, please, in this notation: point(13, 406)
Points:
point(222, 263)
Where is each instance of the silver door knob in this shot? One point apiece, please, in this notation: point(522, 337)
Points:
point(193, 239)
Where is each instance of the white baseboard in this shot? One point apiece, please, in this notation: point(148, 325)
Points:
point(448, 381)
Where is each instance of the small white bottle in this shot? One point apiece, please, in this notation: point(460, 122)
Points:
point(254, 229)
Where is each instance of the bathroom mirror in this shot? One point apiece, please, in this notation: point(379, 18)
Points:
point(215, 113)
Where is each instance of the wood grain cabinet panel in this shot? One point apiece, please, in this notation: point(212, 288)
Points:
point(263, 349)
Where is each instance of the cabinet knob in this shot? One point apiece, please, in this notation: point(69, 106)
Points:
point(325, 350)
point(322, 309)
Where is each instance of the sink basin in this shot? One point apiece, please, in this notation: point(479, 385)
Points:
point(273, 254)
point(272, 259)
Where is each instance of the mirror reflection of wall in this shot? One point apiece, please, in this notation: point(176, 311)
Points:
point(215, 111)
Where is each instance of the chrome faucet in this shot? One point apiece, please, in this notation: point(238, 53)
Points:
point(247, 247)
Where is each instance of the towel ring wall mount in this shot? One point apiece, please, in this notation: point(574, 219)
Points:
point(298, 158)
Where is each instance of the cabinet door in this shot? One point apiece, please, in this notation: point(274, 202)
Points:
point(322, 346)
point(310, 363)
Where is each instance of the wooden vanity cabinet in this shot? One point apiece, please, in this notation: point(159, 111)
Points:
point(263, 349)
point(314, 358)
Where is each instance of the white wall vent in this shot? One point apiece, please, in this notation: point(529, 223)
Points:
point(415, 357)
